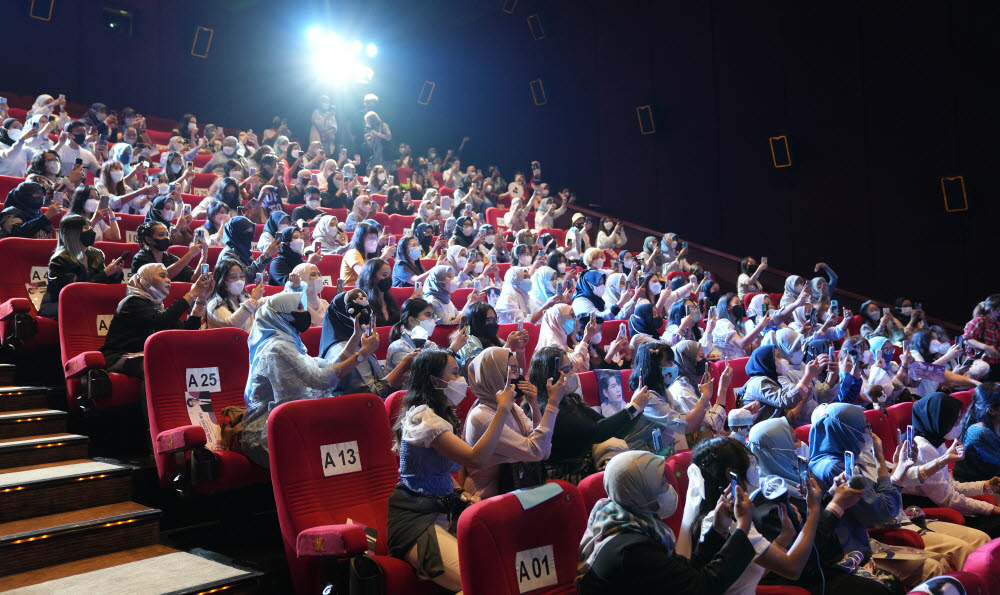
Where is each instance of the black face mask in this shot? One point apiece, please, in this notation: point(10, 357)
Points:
point(161, 244)
point(301, 321)
point(79, 138)
point(491, 329)
point(229, 197)
point(87, 238)
point(738, 312)
point(699, 367)
point(385, 284)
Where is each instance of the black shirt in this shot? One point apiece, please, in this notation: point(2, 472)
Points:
point(136, 318)
point(63, 270)
point(145, 256)
point(578, 428)
point(306, 213)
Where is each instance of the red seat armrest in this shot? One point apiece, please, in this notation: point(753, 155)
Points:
point(14, 306)
point(88, 360)
point(180, 438)
point(332, 540)
point(903, 537)
point(987, 498)
point(947, 515)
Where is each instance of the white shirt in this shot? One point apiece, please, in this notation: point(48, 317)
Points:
point(68, 155)
point(14, 160)
point(747, 583)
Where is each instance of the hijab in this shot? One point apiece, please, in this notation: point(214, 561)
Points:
point(41, 105)
point(237, 234)
point(22, 200)
point(270, 325)
point(273, 220)
point(286, 253)
point(820, 289)
point(666, 246)
point(356, 208)
point(791, 294)
point(425, 241)
point(756, 309)
point(488, 374)
point(338, 324)
point(648, 244)
point(842, 429)
point(304, 270)
point(552, 332)
point(585, 288)
point(761, 363)
point(542, 286)
point(142, 284)
point(772, 443)
point(460, 238)
point(686, 358)
point(644, 321)
point(789, 342)
point(5, 132)
point(122, 153)
point(512, 297)
point(935, 415)
point(712, 297)
point(155, 212)
point(436, 283)
point(634, 481)
point(612, 287)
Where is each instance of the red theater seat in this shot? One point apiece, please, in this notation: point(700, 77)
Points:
point(311, 339)
point(558, 234)
point(504, 548)
point(899, 416)
point(8, 183)
point(173, 354)
point(24, 261)
point(854, 326)
point(401, 294)
point(460, 296)
point(677, 473)
point(748, 297)
point(505, 330)
point(399, 223)
point(739, 378)
point(802, 433)
point(403, 174)
point(883, 429)
point(318, 490)
point(329, 266)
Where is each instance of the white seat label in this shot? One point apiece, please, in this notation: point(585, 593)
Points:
point(327, 280)
point(131, 237)
point(535, 568)
point(202, 380)
point(103, 324)
point(39, 275)
point(340, 458)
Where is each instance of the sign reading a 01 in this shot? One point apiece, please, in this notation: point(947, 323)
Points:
point(535, 568)
point(202, 380)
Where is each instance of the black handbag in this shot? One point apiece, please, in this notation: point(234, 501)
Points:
point(366, 577)
point(515, 476)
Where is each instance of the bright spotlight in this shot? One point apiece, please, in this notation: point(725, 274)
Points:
point(371, 50)
point(363, 74)
point(314, 34)
point(356, 46)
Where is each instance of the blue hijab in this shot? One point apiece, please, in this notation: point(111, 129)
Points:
point(122, 153)
point(761, 363)
point(237, 234)
point(842, 429)
point(644, 321)
point(273, 220)
point(270, 324)
point(772, 442)
point(542, 285)
point(585, 288)
point(434, 284)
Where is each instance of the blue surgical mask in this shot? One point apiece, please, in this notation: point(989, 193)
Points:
point(669, 374)
point(414, 253)
point(569, 326)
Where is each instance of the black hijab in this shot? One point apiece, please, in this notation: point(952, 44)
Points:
point(762, 363)
point(425, 241)
point(460, 238)
point(338, 324)
point(273, 220)
point(23, 200)
point(237, 233)
point(935, 415)
point(286, 253)
point(4, 132)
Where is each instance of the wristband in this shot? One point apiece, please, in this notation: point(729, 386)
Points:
point(836, 510)
point(632, 411)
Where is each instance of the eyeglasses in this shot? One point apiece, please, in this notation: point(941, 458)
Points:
point(491, 320)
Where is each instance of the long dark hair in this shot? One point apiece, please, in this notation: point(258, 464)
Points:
point(745, 266)
point(722, 307)
point(475, 318)
point(715, 458)
point(986, 397)
point(544, 366)
point(368, 284)
point(427, 365)
point(920, 342)
point(80, 197)
point(220, 273)
point(361, 231)
point(410, 310)
point(648, 359)
point(37, 166)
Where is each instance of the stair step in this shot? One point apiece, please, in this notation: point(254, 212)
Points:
point(19, 398)
point(34, 450)
point(42, 541)
point(151, 569)
point(7, 374)
point(31, 422)
point(51, 488)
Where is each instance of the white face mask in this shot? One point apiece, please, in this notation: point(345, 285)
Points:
point(561, 267)
point(524, 285)
point(477, 268)
point(598, 264)
point(781, 366)
point(446, 203)
point(954, 433)
point(371, 245)
point(599, 291)
point(939, 347)
point(52, 167)
point(162, 189)
point(573, 385)
point(116, 175)
point(174, 167)
point(906, 310)
point(795, 358)
point(167, 215)
point(655, 288)
point(428, 326)
point(296, 153)
point(235, 287)
point(455, 391)
point(596, 339)
point(524, 261)
point(297, 245)
point(313, 203)
point(867, 357)
point(228, 151)
point(14, 134)
point(666, 503)
point(91, 205)
point(461, 262)
point(491, 240)
point(753, 478)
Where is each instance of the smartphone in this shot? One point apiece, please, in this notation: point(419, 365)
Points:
point(832, 353)
point(763, 309)
point(171, 188)
point(885, 311)
point(684, 245)
point(960, 340)
point(520, 325)
point(187, 209)
point(493, 258)
point(713, 310)
point(560, 286)
point(260, 278)
point(467, 330)
point(849, 463)
point(104, 202)
point(253, 171)
point(125, 255)
point(803, 477)
point(833, 308)
point(763, 259)
point(340, 285)
point(734, 481)
point(913, 447)
point(204, 268)
point(79, 161)
point(657, 436)
point(3, 100)
point(62, 96)
point(593, 316)
point(313, 178)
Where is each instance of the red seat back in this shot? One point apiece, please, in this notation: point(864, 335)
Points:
point(213, 255)
point(311, 339)
point(8, 183)
point(329, 266)
point(113, 250)
point(204, 181)
point(493, 215)
point(966, 397)
point(169, 355)
point(899, 416)
point(747, 297)
point(24, 260)
point(592, 489)
point(460, 296)
point(885, 432)
point(403, 174)
point(401, 294)
point(676, 473)
point(314, 485)
point(399, 223)
point(504, 548)
point(558, 234)
point(529, 350)
point(854, 326)
point(802, 432)
point(128, 225)
point(739, 378)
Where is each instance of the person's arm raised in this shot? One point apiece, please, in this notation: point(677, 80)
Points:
point(473, 457)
